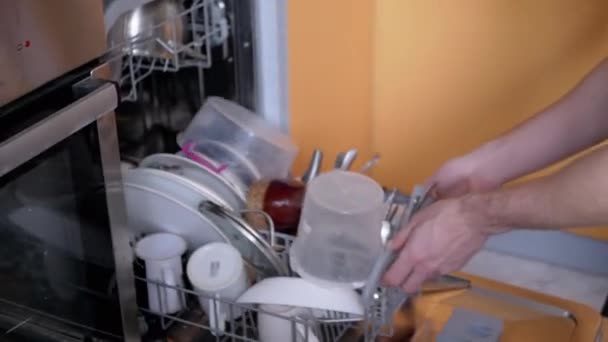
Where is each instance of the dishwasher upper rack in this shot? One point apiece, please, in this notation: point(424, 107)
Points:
point(205, 25)
point(328, 327)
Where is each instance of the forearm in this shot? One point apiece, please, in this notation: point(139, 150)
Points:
point(572, 124)
point(576, 196)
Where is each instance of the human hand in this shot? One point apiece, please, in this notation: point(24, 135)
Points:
point(461, 176)
point(440, 239)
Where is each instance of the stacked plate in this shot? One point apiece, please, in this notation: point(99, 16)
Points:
point(172, 193)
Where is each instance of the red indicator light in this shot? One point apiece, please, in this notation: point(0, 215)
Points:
point(25, 44)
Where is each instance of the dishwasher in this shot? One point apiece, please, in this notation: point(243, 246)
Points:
point(236, 50)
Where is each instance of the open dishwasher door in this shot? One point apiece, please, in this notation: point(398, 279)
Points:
point(167, 66)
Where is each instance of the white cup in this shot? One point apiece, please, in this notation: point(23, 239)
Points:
point(162, 254)
point(217, 271)
point(274, 325)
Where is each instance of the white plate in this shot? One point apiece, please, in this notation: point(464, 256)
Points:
point(151, 211)
point(302, 293)
point(169, 220)
point(239, 164)
point(226, 175)
point(191, 170)
point(175, 186)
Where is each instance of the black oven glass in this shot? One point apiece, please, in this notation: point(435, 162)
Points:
point(56, 259)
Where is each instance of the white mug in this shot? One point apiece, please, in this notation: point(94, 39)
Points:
point(274, 325)
point(217, 271)
point(162, 254)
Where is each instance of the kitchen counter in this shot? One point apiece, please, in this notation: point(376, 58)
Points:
point(428, 314)
point(553, 262)
point(540, 276)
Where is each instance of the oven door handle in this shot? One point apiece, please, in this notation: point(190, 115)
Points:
point(101, 98)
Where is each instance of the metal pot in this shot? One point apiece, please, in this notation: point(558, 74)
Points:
point(155, 29)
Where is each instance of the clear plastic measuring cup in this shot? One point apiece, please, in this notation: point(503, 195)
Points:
point(339, 234)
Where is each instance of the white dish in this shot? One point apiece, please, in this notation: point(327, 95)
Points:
point(191, 196)
point(246, 162)
point(277, 328)
point(302, 293)
point(178, 187)
point(226, 175)
point(236, 162)
point(151, 211)
point(191, 170)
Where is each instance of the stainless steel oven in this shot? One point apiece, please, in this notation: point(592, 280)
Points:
point(65, 260)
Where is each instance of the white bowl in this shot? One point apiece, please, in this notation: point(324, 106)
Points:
point(300, 292)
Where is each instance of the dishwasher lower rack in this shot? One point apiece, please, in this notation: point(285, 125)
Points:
point(193, 324)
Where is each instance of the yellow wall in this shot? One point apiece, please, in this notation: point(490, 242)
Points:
point(421, 81)
point(449, 75)
point(330, 58)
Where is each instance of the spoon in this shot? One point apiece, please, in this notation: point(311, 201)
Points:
point(339, 160)
point(314, 167)
point(370, 163)
point(349, 159)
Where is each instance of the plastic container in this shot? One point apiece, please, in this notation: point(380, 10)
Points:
point(222, 159)
point(339, 236)
point(246, 139)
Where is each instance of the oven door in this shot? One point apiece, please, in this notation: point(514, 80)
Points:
point(65, 260)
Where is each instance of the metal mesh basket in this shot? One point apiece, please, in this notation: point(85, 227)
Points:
point(180, 47)
point(193, 324)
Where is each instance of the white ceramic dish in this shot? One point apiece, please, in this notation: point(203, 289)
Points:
point(152, 211)
point(189, 195)
point(275, 328)
point(300, 292)
point(191, 170)
point(226, 175)
point(178, 187)
point(236, 162)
